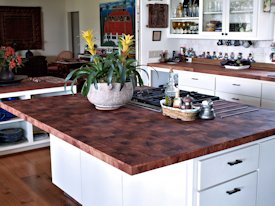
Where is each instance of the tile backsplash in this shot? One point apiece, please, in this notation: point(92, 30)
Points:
point(260, 49)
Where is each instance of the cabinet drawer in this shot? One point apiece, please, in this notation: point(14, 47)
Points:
point(238, 192)
point(197, 80)
point(255, 101)
point(221, 168)
point(269, 104)
point(268, 91)
point(195, 89)
point(238, 86)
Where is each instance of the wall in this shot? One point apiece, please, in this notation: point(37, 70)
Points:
point(53, 23)
point(88, 16)
point(260, 49)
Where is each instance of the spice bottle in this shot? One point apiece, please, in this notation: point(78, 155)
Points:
point(177, 100)
point(170, 90)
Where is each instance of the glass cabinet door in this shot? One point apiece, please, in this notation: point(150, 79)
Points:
point(241, 16)
point(213, 16)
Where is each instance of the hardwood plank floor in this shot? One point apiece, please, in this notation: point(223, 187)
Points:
point(25, 179)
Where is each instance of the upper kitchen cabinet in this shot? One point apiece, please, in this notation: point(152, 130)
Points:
point(220, 19)
point(184, 19)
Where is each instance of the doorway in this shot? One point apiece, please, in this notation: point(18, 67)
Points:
point(74, 38)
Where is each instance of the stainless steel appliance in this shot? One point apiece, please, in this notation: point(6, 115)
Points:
point(150, 97)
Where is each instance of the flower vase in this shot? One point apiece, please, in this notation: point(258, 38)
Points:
point(6, 74)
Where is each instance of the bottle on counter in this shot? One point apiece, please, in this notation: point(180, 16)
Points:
point(177, 103)
point(170, 90)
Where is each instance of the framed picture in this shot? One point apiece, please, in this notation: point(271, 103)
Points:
point(116, 18)
point(156, 36)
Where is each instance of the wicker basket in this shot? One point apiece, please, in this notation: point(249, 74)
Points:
point(182, 114)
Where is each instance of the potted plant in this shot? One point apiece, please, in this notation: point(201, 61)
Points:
point(109, 81)
point(8, 61)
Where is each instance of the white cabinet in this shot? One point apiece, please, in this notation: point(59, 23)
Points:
point(32, 137)
point(101, 182)
point(238, 192)
point(229, 177)
point(268, 95)
point(91, 181)
point(238, 176)
point(239, 98)
point(240, 86)
point(184, 23)
point(197, 82)
point(266, 183)
point(221, 168)
point(229, 19)
point(166, 186)
point(65, 165)
point(240, 90)
point(222, 19)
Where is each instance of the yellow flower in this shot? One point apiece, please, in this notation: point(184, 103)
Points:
point(89, 38)
point(126, 42)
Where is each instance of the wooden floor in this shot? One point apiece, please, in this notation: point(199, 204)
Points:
point(25, 179)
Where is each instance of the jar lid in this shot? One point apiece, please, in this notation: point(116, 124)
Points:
point(187, 98)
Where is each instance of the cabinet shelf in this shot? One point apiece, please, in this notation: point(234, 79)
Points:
point(13, 120)
point(241, 12)
point(212, 13)
point(13, 145)
point(185, 18)
point(41, 137)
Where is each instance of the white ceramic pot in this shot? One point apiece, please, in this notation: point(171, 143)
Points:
point(109, 97)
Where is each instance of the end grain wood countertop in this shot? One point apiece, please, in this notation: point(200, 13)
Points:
point(136, 140)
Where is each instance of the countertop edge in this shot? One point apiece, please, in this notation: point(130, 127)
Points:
point(247, 73)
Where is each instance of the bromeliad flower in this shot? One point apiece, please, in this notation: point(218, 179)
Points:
point(89, 38)
point(126, 42)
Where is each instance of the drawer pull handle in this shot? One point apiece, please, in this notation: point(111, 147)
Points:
point(237, 85)
point(231, 192)
point(237, 99)
point(194, 78)
point(235, 162)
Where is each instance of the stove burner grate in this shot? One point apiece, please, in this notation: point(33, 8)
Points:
point(152, 96)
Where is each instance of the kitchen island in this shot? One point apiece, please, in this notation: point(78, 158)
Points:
point(27, 88)
point(136, 157)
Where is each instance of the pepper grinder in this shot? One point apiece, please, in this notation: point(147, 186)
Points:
point(187, 102)
point(207, 110)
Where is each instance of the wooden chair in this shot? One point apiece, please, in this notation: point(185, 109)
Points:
point(54, 69)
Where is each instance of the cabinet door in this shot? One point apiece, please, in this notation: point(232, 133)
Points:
point(101, 182)
point(65, 163)
point(241, 18)
point(221, 168)
point(233, 19)
point(254, 101)
point(266, 182)
point(212, 18)
point(184, 21)
point(238, 192)
point(197, 80)
point(241, 86)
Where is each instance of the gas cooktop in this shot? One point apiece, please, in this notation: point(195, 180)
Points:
point(152, 96)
